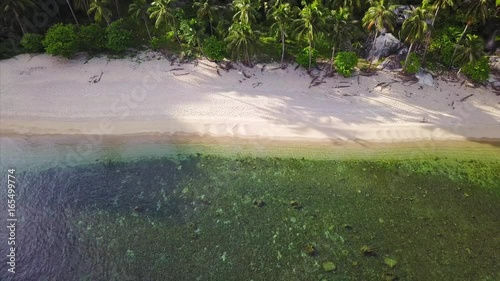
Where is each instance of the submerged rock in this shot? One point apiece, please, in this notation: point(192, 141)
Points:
point(329, 266)
point(310, 250)
point(296, 205)
point(368, 251)
point(390, 262)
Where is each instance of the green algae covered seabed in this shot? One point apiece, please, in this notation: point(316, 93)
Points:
point(423, 211)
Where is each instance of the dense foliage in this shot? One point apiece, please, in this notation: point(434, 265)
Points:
point(92, 38)
point(302, 58)
point(118, 38)
point(61, 39)
point(32, 43)
point(213, 49)
point(345, 63)
point(449, 34)
point(412, 66)
point(477, 71)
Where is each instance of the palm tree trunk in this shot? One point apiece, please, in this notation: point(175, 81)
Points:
point(211, 28)
point(86, 6)
point(117, 8)
point(73, 13)
point(282, 46)
point(435, 16)
point(333, 56)
point(458, 42)
point(147, 27)
point(408, 56)
point(19, 22)
point(310, 56)
point(373, 47)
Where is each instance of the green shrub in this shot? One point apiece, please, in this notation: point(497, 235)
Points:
point(118, 38)
point(92, 38)
point(214, 49)
point(61, 40)
point(32, 43)
point(158, 43)
point(345, 63)
point(477, 71)
point(443, 44)
point(413, 64)
point(302, 58)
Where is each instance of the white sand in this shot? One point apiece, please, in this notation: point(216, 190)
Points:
point(50, 95)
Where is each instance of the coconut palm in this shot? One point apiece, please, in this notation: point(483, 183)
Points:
point(440, 4)
point(246, 11)
point(311, 21)
point(415, 28)
point(478, 11)
point(16, 7)
point(381, 16)
point(471, 50)
point(241, 40)
point(72, 13)
point(162, 12)
point(280, 14)
point(82, 5)
point(139, 9)
point(205, 9)
point(339, 29)
point(100, 11)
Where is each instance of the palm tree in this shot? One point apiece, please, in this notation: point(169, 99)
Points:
point(98, 7)
point(241, 40)
point(415, 28)
point(340, 29)
point(246, 11)
point(380, 16)
point(162, 11)
point(478, 11)
point(72, 12)
point(440, 4)
point(139, 9)
point(280, 14)
point(311, 22)
point(82, 5)
point(471, 51)
point(207, 10)
point(17, 7)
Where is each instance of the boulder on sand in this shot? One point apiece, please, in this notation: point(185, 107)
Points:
point(385, 45)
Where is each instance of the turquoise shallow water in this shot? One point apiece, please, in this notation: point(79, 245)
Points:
point(139, 211)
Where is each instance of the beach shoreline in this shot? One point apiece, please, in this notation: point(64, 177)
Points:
point(148, 95)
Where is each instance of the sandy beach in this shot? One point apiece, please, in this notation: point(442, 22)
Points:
point(147, 94)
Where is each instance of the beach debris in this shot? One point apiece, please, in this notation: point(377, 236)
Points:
point(257, 84)
point(465, 98)
point(218, 72)
point(245, 74)
point(96, 78)
point(296, 205)
point(176, 69)
point(259, 203)
point(310, 250)
point(341, 86)
point(181, 74)
point(390, 262)
point(368, 251)
point(329, 266)
point(317, 80)
point(262, 69)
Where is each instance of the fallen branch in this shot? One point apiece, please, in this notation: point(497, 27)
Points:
point(465, 98)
